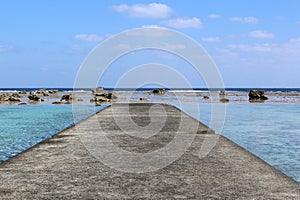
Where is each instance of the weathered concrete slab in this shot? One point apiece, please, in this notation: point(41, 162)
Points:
point(62, 167)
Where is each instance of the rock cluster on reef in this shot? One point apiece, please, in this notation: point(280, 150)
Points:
point(102, 96)
point(159, 91)
point(15, 97)
point(257, 95)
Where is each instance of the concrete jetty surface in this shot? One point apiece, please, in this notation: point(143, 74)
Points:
point(64, 166)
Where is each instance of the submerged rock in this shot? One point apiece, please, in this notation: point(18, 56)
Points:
point(257, 95)
point(143, 99)
point(224, 100)
point(56, 102)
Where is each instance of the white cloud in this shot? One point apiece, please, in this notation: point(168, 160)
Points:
point(213, 16)
point(266, 47)
point(172, 47)
point(293, 40)
point(261, 34)
point(184, 23)
point(249, 20)
point(211, 39)
point(88, 37)
point(4, 48)
point(152, 26)
point(152, 10)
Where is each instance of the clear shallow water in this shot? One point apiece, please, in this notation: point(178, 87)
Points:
point(21, 127)
point(270, 131)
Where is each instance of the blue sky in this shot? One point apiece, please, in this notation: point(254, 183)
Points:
point(253, 43)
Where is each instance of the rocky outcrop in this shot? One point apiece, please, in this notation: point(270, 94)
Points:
point(33, 97)
point(223, 93)
point(257, 95)
point(97, 90)
point(52, 91)
point(23, 92)
point(101, 95)
point(67, 98)
point(44, 92)
point(159, 91)
point(4, 97)
point(15, 97)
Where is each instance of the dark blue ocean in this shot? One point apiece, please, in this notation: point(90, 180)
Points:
point(269, 130)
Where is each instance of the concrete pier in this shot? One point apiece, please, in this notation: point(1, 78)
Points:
point(64, 166)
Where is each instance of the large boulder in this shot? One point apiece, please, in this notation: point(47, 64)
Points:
point(103, 96)
point(15, 94)
point(159, 91)
point(14, 99)
point(257, 95)
point(67, 98)
point(44, 92)
point(98, 90)
point(4, 97)
point(33, 97)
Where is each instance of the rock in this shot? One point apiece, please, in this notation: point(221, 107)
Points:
point(67, 98)
point(15, 94)
point(143, 99)
point(97, 104)
point(160, 91)
point(79, 99)
point(257, 95)
point(52, 91)
point(100, 99)
point(224, 100)
point(22, 104)
point(22, 92)
point(97, 90)
point(43, 92)
point(33, 97)
point(4, 97)
point(56, 102)
point(42, 99)
point(206, 97)
point(103, 96)
point(223, 93)
point(12, 98)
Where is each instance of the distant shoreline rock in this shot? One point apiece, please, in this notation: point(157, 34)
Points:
point(159, 91)
point(257, 95)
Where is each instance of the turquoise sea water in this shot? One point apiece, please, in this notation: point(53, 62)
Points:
point(21, 127)
point(270, 131)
